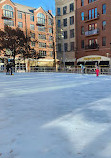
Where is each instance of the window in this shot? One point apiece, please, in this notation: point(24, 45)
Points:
point(19, 15)
point(82, 2)
point(32, 27)
point(82, 30)
point(51, 54)
point(104, 25)
point(41, 36)
point(92, 27)
point(31, 17)
point(65, 47)
point(32, 43)
point(50, 30)
point(71, 7)
point(59, 23)
point(20, 24)
point(41, 18)
point(65, 34)
point(104, 41)
point(58, 11)
point(71, 20)
point(92, 42)
point(82, 44)
point(41, 28)
point(65, 22)
point(50, 21)
point(32, 35)
point(92, 13)
point(59, 47)
point(104, 9)
point(42, 45)
point(72, 33)
point(50, 45)
point(42, 53)
point(50, 38)
point(64, 10)
point(72, 46)
point(91, 1)
point(8, 11)
point(8, 22)
point(82, 16)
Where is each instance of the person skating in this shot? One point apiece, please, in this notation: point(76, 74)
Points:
point(97, 71)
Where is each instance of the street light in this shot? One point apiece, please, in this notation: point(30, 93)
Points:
point(62, 37)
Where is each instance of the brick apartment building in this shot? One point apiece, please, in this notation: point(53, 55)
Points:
point(65, 31)
point(37, 22)
point(93, 27)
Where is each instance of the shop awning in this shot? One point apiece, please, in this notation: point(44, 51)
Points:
point(80, 63)
point(104, 63)
point(91, 63)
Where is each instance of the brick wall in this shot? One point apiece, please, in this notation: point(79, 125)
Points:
point(106, 33)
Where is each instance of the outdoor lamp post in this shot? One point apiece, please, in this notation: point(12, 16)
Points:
point(62, 37)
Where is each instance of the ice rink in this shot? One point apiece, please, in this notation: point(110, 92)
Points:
point(55, 115)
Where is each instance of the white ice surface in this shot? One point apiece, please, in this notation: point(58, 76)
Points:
point(52, 115)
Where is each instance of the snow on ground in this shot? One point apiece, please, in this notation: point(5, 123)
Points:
point(55, 115)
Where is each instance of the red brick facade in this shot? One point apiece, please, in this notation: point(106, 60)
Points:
point(86, 23)
point(26, 22)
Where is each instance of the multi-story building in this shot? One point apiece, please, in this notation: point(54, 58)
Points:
point(65, 31)
point(37, 23)
point(93, 32)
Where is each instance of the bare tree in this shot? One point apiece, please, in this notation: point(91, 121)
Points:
point(16, 41)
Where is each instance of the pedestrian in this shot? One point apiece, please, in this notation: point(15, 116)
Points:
point(97, 71)
point(7, 69)
point(82, 68)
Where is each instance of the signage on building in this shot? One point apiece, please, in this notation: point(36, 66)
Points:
point(92, 58)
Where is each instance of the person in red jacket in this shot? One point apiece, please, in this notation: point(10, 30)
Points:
point(97, 71)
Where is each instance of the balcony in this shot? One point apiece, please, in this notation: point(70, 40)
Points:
point(92, 47)
point(7, 16)
point(40, 24)
point(87, 18)
point(92, 32)
point(41, 21)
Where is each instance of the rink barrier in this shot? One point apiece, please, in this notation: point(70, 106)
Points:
point(104, 71)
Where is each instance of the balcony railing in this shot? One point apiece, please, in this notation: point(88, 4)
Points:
point(87, 18)
point(92, 32)
point(92, 46)
point(7, 16)
point(40, 24)
point(41, 21)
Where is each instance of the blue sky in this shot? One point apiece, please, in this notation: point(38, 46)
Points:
point(46, 4)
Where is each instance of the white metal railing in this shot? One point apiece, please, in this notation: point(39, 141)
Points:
point(92, 32)
point(104, 71)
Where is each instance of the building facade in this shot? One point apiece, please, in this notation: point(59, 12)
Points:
point(93, 32)
point(37, 23)
point(65, 31)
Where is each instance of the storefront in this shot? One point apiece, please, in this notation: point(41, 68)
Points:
point(92, 60)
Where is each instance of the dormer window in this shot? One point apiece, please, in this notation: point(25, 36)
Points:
point(40, 19)
point(7, 11)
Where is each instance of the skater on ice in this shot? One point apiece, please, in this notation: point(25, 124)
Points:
point(82, 68)
point(97, 71)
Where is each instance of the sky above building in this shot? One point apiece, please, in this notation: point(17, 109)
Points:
point(46, 4)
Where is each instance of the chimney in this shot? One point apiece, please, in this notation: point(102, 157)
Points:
point(50, 11)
